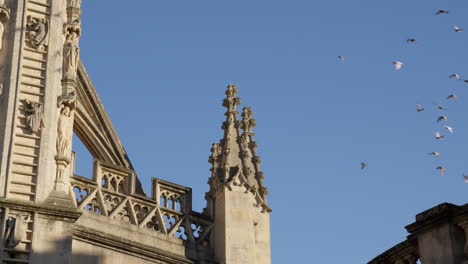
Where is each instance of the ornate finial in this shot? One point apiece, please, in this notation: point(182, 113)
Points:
point(232, 101)
point(247, 121)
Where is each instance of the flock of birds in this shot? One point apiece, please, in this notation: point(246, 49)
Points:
point(397, 65)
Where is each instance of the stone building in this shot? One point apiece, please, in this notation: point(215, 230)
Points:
point(50, 215)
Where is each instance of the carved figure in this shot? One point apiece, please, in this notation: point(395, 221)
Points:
point(38, 30)
point(4, 17)
point(34, 116)
point(64, 131)
point(15, 231)
point(71, 51)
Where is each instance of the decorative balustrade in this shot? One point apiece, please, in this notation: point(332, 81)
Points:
point(110, 194)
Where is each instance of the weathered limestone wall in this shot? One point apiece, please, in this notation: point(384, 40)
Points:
point(242, 230)
point(442, 244)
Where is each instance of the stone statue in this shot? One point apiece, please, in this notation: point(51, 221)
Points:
point(15, 231)
point(71, 51)
point(4, 17)
point(64, 131)
point(34, 116)
point(38, 30)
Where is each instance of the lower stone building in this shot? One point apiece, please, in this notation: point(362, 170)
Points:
point(48, 214)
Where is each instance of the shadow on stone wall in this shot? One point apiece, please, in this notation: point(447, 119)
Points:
point(64, 254)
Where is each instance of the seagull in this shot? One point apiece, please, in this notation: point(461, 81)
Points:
point(442, 12)
point(397, 64)
point(465, 81)
point(457, 29)
point(411, 40)
point(449, 129)
point(454, 96)
point(436, 154)
point(442, 170)
point(419, 108)
point(466, 178)
point(363, 165)
point(341, 58)
point(438, 136)
point(440, 118)
point(440, 107)
point(456, 76)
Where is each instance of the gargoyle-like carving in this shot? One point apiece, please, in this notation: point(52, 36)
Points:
point(15, 230)
point(34, 116)
point(38, 29)
point(4, 17)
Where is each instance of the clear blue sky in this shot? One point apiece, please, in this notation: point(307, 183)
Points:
point(161, 68)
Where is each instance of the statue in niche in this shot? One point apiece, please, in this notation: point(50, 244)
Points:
point(34, 116)
point(38, 30)
point(64, 131)
point(71, 51)
point(15, 230)
point(4, 17)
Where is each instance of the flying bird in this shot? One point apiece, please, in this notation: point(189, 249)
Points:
point(449, 129)
point(363, 165)
point(465, 81)
point(442, 12)
point(440, 106)
point(454, 96)
point(435, 154)
point(419, 108)
point(442, 170)
point(438, 136)
point(341, 58)
point(397, 64)
point(411, 40)
point(440, 118)
point(466, 178)
point(456, 76)
point(457, 29)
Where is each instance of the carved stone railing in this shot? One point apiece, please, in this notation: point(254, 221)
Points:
point(404, 253)
point(110, 194)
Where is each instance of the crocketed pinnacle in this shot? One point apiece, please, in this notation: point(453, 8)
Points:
point(234, 159)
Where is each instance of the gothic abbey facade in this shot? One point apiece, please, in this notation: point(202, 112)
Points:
point(50, 215)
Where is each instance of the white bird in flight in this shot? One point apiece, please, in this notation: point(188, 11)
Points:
point(435, 154)
point(419, 108)
point(363, 165)
point(454, 96)
point(341, 58)
point(442, 12)
point(449, 129)
point(456, 76)
point(457, 29)
point(438, 135)
point(442, 170)
point(397, 64)
point(466, 178)
point(440, 118)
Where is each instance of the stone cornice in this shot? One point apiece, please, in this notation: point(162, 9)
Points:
point(61, 213)
point(126, 246)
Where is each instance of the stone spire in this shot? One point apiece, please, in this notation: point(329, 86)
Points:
point(234, 159)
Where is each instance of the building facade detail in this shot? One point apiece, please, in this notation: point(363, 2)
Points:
point(49, 214)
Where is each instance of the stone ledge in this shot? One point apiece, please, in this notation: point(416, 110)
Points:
point(127, 247)
point(59, 213)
